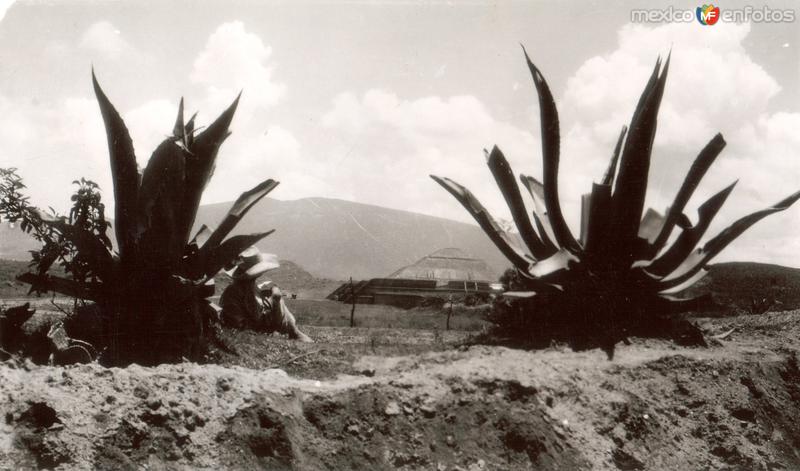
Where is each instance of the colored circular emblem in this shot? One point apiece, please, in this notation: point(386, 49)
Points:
point(707, 14)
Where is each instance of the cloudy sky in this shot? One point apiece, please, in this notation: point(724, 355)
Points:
point(362, 101)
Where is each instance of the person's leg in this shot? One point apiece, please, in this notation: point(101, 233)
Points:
point(289, 325)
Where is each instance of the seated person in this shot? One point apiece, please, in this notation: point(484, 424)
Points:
point(261, 308)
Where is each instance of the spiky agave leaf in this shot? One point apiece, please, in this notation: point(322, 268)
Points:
point(124, 172)
point(599, 220)
point(540, 216)
point(496, 233)
point(200, 165)
point(179, 130)
point(222, 254)
point(189, 131)
point(667, 262)
point(201, 236)
point(160, 209)
point(697, 260)
point(631, 187)
point(504, 177)
point(699, 168)
point(240, 207)
point(608, 178)
point(550, 156)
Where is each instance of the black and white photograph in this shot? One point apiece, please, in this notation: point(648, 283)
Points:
point(406, 235)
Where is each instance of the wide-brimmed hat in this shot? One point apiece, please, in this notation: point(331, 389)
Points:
point(253, 264)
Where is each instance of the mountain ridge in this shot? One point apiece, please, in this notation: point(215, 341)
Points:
point(332, 238)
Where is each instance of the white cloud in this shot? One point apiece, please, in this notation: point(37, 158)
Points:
point(105, 38)
point(52, 144)
point(149, 124)
point(245, 161)
point(385, 147)
point(234, 59)
point(75, 144)
point(4, 6)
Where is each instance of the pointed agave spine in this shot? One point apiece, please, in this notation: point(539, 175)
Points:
point(631, 185)
point(200, 166)
point(124, 172)
point(550, 156)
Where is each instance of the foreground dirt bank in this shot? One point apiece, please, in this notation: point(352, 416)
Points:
point(732, 406)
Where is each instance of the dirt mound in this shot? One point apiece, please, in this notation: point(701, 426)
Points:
point(735, 405)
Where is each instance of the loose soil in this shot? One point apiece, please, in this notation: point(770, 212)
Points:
point(406, 399)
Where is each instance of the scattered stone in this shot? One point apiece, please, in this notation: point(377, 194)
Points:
point(353, 429)
point(450, 441)
point(369, 372)
point(40, 414)
point(392, 408)
point(141, 392)
point(744, 414)
point(428, 410)
point(181, 435)
point(199, 420)
point(223, 384)
point(154, 404)
point(480, 465)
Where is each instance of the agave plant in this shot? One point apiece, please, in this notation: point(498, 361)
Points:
point(152, 291)
point(622, 274)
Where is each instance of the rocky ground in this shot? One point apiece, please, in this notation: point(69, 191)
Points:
point(734, 405)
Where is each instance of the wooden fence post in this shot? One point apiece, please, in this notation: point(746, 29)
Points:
point(353, 300)
point(449, 313)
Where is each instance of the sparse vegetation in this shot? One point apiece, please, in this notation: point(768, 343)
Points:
point(620, 277)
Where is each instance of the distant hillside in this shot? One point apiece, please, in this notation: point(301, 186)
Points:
point(333, 238)
point(735, 285)
point(338, 239)
point(15, 244)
